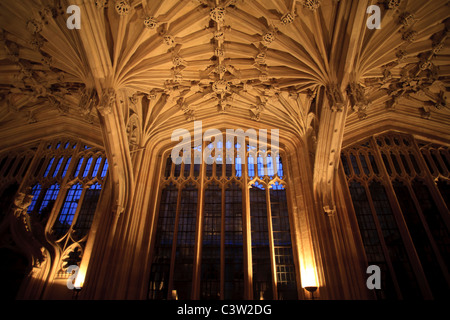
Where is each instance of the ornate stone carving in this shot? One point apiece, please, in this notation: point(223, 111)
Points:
point(168, 40)
point(217, 14)
point(122, 7)
point(218, 52)
point(219, 35)
point(34, 26)
point(101, 3)
point(409, 35)
point(392, 4)
point(268, 38)
point(220, 87)
point(358, 99)
point(335, 97)
point(312, 5)
point(406, 19)
point(107, 101)
point(261, 57)
point(287, 18)
point(150, 23)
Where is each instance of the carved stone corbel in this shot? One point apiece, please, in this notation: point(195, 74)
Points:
point(107, 101)
point(335, 97)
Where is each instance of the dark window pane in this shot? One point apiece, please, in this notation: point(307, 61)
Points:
point(284, 259)
point(345, 165)
point(262, 273)
point(371, 240)
point(87, 211)
point(68, 210)
point(434, 219)
point(394, 243)
point(184, 255)
point(421, 241)
point(210, 267)
point(234, 265)
point(160, 269)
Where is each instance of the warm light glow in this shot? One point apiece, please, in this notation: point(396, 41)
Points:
point(309, 278)
point(79, 280)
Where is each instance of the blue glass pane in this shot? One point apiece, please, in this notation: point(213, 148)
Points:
point(66, 145)
point(279, 166)
point(68, 210)
point(77, 171)
point(35, 191)
point(58, 166)
point(238, 167)
point(58, 145)
point(258, 185)
point(260, 166)
point(66, 167)
point(277, 186)
point(49, 167)
point(49, 198)
point(251, 167)
point(270, 171)
point(96, 166)
point(105, 168)
point(87, 167)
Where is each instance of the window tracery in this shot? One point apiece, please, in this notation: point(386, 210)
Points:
point(395, 183)
point(207, 204)
point(64, 178)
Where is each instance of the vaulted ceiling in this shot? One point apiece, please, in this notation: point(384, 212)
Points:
point(270, 62)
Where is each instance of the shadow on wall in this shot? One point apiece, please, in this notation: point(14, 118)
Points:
point(14, 269)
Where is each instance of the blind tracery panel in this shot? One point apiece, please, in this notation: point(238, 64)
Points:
point(394, 184)
point(221, 230)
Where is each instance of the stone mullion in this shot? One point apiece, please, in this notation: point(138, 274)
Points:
point(401, 223)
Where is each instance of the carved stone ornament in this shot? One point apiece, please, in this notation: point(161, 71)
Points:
point(392, 4)
point(34, 26)
point(169, 40)
point(107, 101)
point(217, 14)
point(312, 5)
point(358, 99)
point(220, 87)
point(287, 18)
point(150, 23)
point(122, 7)
point(101, 4)
point(409, 36)
point(406, 19)
point(335, 97)
point(268, 38)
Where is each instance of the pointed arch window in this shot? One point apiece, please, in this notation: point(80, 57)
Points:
point(225, 243)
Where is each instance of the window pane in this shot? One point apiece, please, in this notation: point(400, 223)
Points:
point(371, 240)
point(160, 270)
point(394, 243)
point(421, 241)
point(210, 268)
point(49, 200)
point(35, 191)
point(285, 268)
point(87, 211)
point(262, 272)
point(184, 256)
point(68, 210)
point(234, 265)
